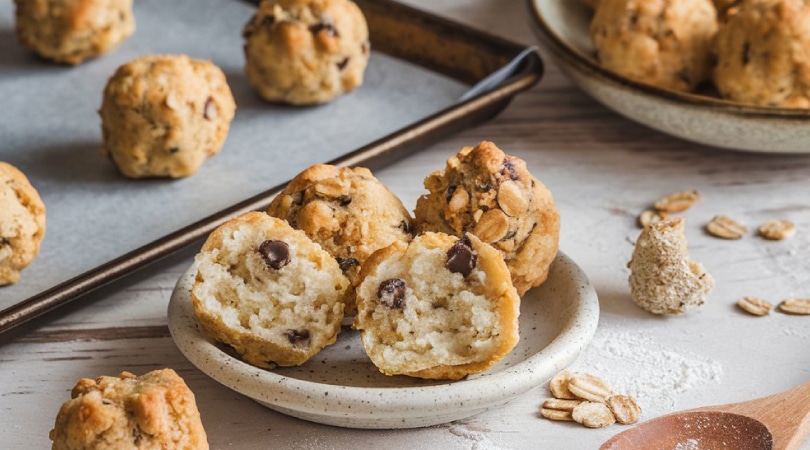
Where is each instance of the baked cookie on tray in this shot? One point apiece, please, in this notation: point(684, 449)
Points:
point(22, 223)
point(268, 291)
point(345, 210)
point(164, 115)
point(153, 411)
point(440, 307)
point(306, 52)
point(492, 195)
point(70, 31)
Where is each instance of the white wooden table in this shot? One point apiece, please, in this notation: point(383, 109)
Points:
point(603, 170)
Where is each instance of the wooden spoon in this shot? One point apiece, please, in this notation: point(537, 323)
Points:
point(778, 422)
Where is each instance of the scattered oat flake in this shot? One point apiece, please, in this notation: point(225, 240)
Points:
point(651, 216)
point(798, 306)
point(559, 386)
point(726, 228)
point(589, 387)
point(755, 306)
point(624, 408)
point(593, 415)
point(678, 201)
point(777, 229)
point(556, 414)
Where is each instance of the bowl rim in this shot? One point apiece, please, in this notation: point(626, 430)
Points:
point(572, 56)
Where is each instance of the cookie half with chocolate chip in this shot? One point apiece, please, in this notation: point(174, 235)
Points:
point(492, 195)
point(268, 291)
point(306, 52)
point(440, 307)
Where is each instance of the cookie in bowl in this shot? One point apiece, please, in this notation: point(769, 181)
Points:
point(70, 31)
point(441, 307)
point(306, 52)
point(164, 115)
point(493, 195)
point(268, 291)
point(22, 223)
point(663, 43)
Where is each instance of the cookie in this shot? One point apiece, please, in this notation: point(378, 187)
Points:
point(306, 52)
point(492, 195)
point(438, 308)
point(153, 411)
point(347, 211)
point(268, 291)
point(164, 115)
point(658, 42)
point(70, 31)
point(663, 280)
point(762, 54)
point(22, 223)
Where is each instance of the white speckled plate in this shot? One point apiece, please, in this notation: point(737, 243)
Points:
point(563, 27)
point(340, 386)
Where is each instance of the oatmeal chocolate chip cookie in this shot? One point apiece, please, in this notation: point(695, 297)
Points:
point(663, 280)
point(70, 31)
point(306, 51)
point(22, 223)
point(493, 195)
point(438, 308)
point(268, 291)
point(763, 56)
point(164, 115)
point(659, 42)
point(347, 211)
point(154, 411)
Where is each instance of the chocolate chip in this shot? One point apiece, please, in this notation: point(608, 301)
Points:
point(450, 191)
point(461, 258)
point(346, 263)
point(298, 338)
point(345, 200)
point(342, 64)
point(268, 20)
point(276, 254)
point(174, 149)
point(210, 109)
point(509, 169)
point(318, 27)
point(404, 226)
point(746, 53)
point(392, 292)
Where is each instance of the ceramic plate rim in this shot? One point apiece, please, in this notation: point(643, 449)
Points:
point(502, 385)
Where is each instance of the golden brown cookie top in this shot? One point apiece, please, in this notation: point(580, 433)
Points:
point(22, 223)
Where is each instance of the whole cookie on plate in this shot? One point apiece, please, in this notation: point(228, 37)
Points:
point(70, 31)
point(268, 291)
point(345, 210)
point(153, 411)
point(22, 223)
point(763, 56)
point(440, 307)
point(164, 115)
point(306, 52)
point(658, 42)
point(486, 192)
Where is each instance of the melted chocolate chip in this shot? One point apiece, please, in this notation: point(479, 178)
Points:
point(210, 109)
point(404, 226)
point(392, 292)
point(450, 191)
point(174, 149)
point(461, 258)
point(330, 29)
point(346, 263)
point(345, 200)
point(298, 338)
point(342, 64)
point(276, 254)
point(509, 169)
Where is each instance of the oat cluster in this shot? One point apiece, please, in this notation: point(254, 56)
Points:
point(586, 399)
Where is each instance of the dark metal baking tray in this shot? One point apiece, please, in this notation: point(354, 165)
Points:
point(478, 74)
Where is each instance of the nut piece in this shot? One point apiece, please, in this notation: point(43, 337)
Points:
point(777, 230)
point(798, 306)
point(651, 216)
point(589, 387)
point(755, 306)
point(624, 408)
point(593, 415)
point(559, 386)
point(726, 228)
point(493, 226)
point(677, 202)
point(511, 198)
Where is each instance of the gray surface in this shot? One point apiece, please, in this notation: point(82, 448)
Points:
point(50, 130)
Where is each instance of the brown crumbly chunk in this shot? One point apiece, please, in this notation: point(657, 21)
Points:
point(70, 31)
point(492, 195)
point(306, 51)
point(268, 291)
point(155, 411)
point(659, 42)
point(662, 278)
point(22, 223)
point(164, 115)
point(438, 308)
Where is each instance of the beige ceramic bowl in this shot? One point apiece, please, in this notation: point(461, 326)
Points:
point(562, 26)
